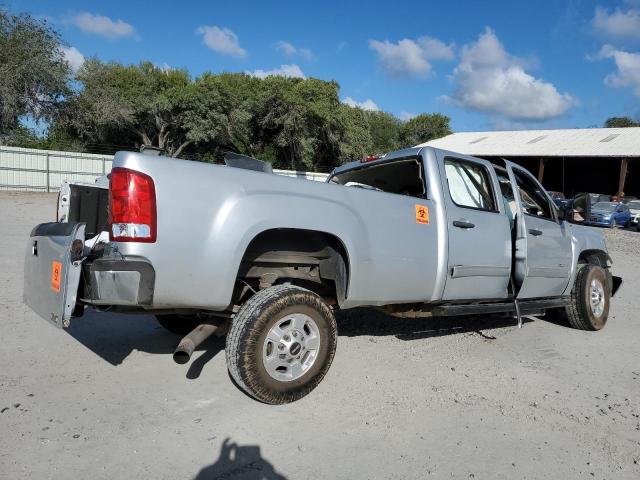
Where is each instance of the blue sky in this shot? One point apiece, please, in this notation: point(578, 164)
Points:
point(488, 65)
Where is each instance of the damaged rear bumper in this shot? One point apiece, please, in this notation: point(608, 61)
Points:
point(122, 281)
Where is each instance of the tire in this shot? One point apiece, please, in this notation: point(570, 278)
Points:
point(581, 313)
point(263, 357)
point(178, 324)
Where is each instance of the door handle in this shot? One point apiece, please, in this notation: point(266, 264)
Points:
point(463, 224)
point(534, 232)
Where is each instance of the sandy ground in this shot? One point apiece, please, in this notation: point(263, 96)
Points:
point(448, 398)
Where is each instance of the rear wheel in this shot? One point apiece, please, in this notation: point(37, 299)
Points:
point(589, 307)
point(178, 324)
point(281, 344)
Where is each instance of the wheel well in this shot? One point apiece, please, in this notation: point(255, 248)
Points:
point(314, 260)
point(595, 257)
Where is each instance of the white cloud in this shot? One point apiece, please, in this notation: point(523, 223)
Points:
point(293, 71)
point(291, 50)
point(406, 116)
point(618, 24)
point(221, 40)
point(73, 56)
point(490, 80)
point(411, 58)
point(628, 64)
point(367, 104)
point(286, 48)
point(103, 26)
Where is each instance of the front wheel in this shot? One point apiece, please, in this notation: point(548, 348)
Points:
point(281, 344)
point(590, 296)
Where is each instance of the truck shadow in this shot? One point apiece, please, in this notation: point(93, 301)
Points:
point(242, 462)
point(114, 336)
point(372, 322)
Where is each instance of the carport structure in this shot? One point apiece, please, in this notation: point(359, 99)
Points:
point(598, 160)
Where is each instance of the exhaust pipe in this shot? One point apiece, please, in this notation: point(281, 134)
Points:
point(188, 344)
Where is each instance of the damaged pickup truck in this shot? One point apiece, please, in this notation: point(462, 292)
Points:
point(268, 259)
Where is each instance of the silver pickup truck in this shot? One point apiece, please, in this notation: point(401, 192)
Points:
point(268, 259)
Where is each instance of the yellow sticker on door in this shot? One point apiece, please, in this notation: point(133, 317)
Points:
point(422, 214)
point(56, 272)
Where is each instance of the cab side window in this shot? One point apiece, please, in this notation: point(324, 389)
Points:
point(533, 200)
point(469, 184)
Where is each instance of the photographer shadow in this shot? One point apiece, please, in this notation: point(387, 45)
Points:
point(242, 462)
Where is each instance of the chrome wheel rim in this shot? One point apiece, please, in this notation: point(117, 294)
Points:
point(291, 347)
point(596, 297)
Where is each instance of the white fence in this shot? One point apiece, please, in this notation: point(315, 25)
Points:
point(44, 170)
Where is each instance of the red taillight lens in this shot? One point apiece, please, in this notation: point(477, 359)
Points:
point(132, 206)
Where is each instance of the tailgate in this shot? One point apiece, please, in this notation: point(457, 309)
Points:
point(52, 267)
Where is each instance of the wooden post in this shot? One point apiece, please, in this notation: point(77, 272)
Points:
point(623, 177)
point(541, 163)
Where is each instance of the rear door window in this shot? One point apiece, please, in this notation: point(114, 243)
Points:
point(469, 184)
point(533, 200)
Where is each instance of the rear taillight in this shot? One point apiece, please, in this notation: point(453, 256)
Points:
point(58, 207)
point(132, 206)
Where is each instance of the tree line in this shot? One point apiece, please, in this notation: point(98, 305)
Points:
point(292, 122)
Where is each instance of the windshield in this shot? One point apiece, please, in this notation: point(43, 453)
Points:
point(605, 206)
point(635, 205)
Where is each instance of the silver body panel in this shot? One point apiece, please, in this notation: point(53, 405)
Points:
point(479, 258)
point(208, 214)
point(543, 262)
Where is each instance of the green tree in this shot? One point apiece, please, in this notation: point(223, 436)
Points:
point(299, 119)
point(617, 122)
point(34, 75)
point(143, 105)
point(356, 141)
point(385, 132)
point(423, 128)
point(223, 114)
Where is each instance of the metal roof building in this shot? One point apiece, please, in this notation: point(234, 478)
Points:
point(589, 159)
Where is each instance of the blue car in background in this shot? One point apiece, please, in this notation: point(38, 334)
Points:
point(609, 214)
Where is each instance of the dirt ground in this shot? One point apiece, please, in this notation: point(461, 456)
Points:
point(445, 398)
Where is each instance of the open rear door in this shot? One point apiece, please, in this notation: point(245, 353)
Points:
point(52, 267)
point(542, 250)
